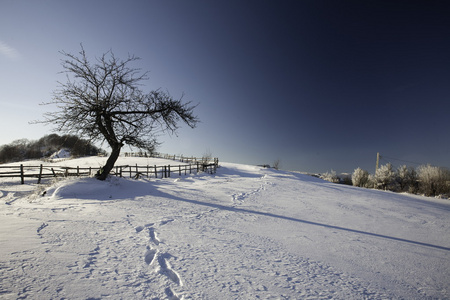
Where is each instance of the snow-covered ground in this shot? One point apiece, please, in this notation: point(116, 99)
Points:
point(243, 233)
point(63, 153)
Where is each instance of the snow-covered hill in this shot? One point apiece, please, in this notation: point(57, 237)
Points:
point(243, 233)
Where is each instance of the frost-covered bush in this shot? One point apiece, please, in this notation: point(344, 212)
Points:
point(433, 181)
point(406, 179)
point(330, 176)
point(427, 179)
point(371, 183)
point(384, 176)
point(360, 177)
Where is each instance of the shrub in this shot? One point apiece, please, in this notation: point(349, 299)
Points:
point(433, 181)
point(427, 180)
point(406, 179)
point(371, 183)
point(360, 177)
point(384, 177)
point(330, 176)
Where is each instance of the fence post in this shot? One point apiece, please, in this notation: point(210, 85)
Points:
point(169, 170)
point(40, 174)
point(22, 180)
point(78, 171)
point(156, 172)
point(179, 170)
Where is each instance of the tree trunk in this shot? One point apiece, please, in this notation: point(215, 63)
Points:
point(103, 173)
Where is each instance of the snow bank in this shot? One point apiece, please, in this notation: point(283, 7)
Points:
point(91, 188)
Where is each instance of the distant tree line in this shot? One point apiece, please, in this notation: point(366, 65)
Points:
point(44, 147)
point(424, 180)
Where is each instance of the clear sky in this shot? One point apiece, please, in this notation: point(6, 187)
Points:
point(319, 85)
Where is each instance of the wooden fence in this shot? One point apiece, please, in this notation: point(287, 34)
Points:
point(181, 158)
point(40, 172)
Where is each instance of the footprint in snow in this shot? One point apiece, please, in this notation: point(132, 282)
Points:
point(153, 237)
point(150, 255)
point(164, 222)
point(170, 294)
point(41, 227)
point(167, 269)
point(140, 228)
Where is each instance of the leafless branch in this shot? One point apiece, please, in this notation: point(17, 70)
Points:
point(103, 100)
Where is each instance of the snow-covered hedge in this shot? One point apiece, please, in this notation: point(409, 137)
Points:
point(427, 180)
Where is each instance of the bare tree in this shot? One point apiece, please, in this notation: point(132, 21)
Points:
point(102, 100)
point(276, 164)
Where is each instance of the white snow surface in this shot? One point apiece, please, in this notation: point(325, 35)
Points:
point(243, 233)
point(63, 153)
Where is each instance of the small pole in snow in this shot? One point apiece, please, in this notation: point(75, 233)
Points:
point(378, 161)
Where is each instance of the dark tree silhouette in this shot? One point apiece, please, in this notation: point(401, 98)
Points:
point(103, 100)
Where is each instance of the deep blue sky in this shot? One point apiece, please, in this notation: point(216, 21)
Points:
point(319, 85)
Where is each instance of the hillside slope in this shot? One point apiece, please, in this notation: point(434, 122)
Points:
point(243, 233)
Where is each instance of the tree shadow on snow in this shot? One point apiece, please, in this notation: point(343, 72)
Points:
point(272, 215)
point(237, 172)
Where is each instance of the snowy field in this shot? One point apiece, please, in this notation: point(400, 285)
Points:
point(243, 233)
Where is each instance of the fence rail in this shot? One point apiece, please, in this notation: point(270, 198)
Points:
point(181, 158)
point(133, 171)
